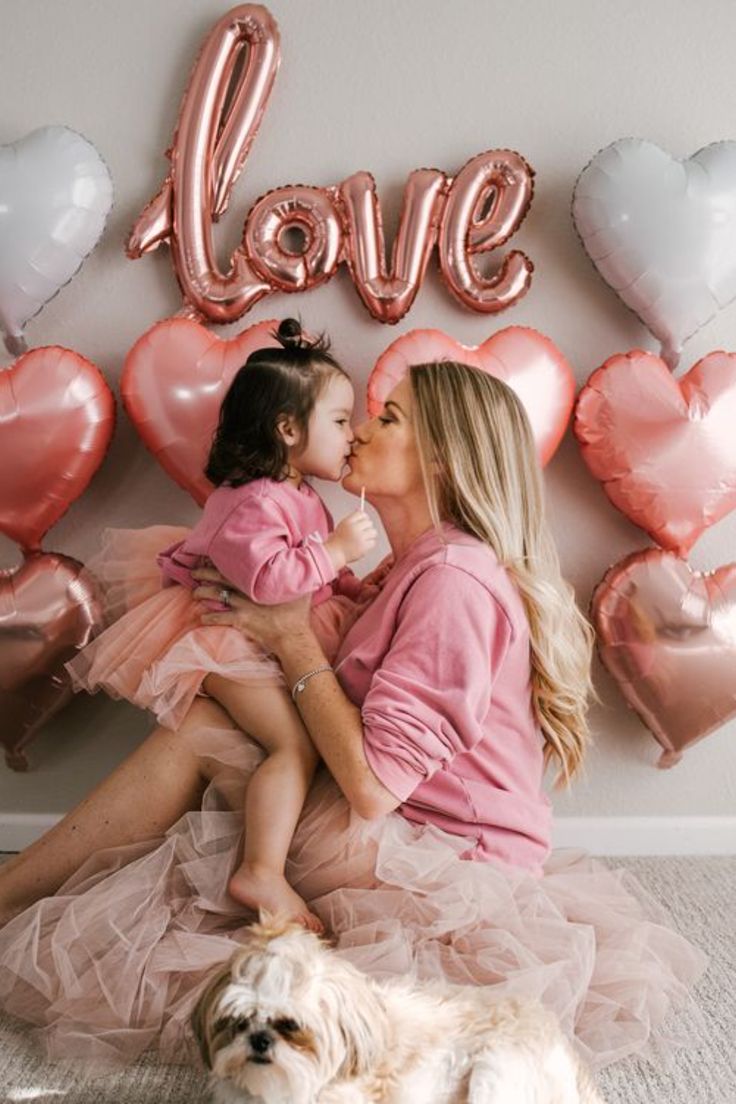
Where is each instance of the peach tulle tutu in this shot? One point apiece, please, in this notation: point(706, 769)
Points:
point(113, 964)
point(156, 653)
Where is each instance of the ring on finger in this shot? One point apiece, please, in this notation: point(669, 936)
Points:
point(223, 596)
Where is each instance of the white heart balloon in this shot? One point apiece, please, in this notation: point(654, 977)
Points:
point(55, 195)
point(662, 233)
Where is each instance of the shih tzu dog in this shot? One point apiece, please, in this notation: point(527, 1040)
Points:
point(290, 1022)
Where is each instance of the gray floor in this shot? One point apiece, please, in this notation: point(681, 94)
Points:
point(699, 892)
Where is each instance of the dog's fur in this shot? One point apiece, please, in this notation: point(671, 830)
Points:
point(290, 1022)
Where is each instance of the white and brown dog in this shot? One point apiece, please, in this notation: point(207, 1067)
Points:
point(290, 1022)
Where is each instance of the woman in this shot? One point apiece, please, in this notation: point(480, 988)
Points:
point(424, 845)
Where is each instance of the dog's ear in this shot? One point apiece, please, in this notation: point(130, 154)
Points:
point(360, 1016)
point(202, 1020)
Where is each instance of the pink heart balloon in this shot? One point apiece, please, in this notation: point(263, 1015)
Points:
point(49, 608)
point(664, 449)
point(523, 358)
point(667, 635)
point(174, 380)
point(57, 417)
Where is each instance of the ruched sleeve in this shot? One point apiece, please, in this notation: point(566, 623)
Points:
point(252, 550)
point(427, 701)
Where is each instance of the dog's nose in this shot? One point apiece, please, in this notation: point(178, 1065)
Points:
point(260, 1041)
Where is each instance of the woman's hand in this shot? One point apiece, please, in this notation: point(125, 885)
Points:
point(267, 625)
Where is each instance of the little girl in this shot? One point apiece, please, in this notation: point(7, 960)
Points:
point(286, 416)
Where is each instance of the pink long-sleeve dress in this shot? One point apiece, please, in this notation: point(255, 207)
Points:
point(457, 882)
point(267, 538)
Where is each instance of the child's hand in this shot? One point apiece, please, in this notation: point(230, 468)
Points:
point(354, 536)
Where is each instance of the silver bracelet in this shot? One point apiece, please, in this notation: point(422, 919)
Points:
point(302, 682)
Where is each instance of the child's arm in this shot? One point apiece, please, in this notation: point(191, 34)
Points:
point(252, 549)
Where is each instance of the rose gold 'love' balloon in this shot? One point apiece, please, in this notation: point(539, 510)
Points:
point(220, 114)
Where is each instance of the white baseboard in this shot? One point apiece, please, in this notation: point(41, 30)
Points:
point(17, 830)
point(643, 835)
point(636, 835)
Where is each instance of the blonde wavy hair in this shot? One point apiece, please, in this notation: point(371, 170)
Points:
point(481, 471)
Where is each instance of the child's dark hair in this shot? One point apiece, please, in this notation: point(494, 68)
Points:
point(286, 379)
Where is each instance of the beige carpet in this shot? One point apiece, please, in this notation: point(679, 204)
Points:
point(701, 895)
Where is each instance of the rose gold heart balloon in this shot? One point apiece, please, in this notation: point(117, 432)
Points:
point(57, 416)
point(667, 635)
point(523, 358)
point(664, 449)
point(173, 382)
point(49, 608)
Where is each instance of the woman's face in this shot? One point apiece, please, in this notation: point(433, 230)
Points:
point(385, 456)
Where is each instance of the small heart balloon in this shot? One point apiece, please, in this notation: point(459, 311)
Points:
point(523, 358)
point(667, 635)
point(57, 417)
point(49, 608)
point(55, 195)
point(663, 449)
point(662, 233)
point(174, 380)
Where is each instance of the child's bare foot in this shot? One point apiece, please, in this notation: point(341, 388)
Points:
point(264, 889)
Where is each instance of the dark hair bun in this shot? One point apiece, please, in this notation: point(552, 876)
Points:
point(291, 337)
point(289, 333)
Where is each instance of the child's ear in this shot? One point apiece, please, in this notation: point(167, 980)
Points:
point(287, 429)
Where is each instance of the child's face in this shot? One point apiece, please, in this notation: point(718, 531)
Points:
point(330, 432)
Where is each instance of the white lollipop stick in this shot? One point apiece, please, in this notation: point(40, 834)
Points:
point(362, 498)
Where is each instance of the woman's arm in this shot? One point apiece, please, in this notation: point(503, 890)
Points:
point(333, 722)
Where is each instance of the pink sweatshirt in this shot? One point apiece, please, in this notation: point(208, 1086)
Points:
point(266, 538)
point(439, 665)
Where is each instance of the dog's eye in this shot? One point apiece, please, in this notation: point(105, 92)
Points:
point(286, 1026)
point(227, 1023)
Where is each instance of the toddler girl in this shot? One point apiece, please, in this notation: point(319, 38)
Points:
point(286, 416)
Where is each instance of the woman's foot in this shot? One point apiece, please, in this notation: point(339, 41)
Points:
point(264, 889)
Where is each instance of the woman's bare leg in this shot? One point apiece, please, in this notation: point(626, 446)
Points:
point(274, 797)
point(157, 783)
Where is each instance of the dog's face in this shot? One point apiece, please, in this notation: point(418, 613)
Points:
point(286, 1017)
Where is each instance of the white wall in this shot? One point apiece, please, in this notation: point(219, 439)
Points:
point(389, 87)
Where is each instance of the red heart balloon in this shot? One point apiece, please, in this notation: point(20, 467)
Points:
point(667, 635)
point(57, 417)
point(664, 449)
point(523, 358)
point(173, 383)
point(49, 608)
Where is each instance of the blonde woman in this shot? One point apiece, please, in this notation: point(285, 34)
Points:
point(424, 844)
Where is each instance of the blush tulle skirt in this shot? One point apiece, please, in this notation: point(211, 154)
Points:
point(155, 652)
point(114, 962)
point(112, 965)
